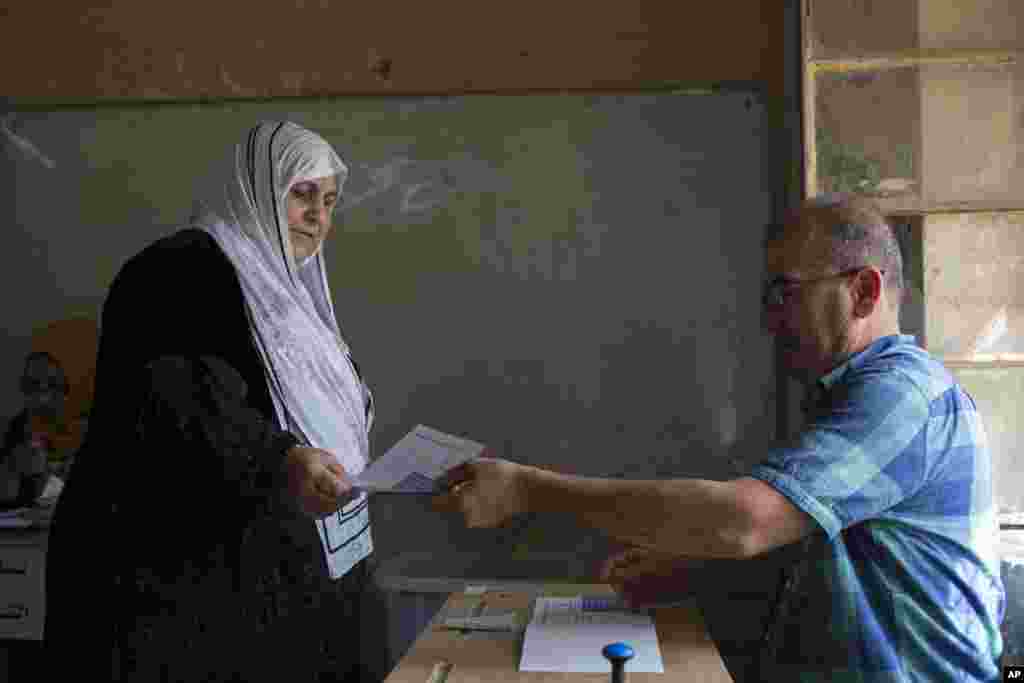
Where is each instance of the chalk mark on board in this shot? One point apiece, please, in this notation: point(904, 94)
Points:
point(419, 186)
point(408, 206)
point(22, 143)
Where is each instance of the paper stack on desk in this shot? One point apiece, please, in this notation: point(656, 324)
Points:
point(13, 519)
point(505, 621)
point(566, 636)
point(417, 462)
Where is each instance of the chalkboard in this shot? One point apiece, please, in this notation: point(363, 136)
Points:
point(571, 279)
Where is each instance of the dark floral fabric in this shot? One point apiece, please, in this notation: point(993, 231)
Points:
point(174, 552)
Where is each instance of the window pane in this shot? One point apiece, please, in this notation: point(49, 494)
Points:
point(971, 119)
point(936, 136)
point(974, 286)
point(851, 28)
point(998, 392)
point(988, 24)
point(908, 230)
point(867, 127)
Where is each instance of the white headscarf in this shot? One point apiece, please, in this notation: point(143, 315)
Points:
point(317, 393)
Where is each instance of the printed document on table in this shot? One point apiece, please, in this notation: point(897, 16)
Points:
point(563, 636)
point(417, 462)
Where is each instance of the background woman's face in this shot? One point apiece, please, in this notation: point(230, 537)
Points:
point(43, 385)
point(310, 207)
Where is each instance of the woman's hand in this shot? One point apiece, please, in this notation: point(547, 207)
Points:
point(317, 482)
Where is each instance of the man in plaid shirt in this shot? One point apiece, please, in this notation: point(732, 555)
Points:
point(888, 488)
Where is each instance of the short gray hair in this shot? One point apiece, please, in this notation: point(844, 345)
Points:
point(860, 234)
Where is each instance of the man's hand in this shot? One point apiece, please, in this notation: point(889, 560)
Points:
point(645, 577)
point(487, 492)
point(317, 482)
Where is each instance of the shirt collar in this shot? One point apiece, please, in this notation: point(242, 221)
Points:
point(857, 360)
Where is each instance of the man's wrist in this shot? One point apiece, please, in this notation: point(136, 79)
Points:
point(535, 487)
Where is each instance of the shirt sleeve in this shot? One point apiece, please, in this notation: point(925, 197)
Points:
point(863, 454)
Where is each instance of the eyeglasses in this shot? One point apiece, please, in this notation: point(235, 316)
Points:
point(774, 294)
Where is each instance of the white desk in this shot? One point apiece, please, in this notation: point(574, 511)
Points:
point(687, 651)
point(22, 583)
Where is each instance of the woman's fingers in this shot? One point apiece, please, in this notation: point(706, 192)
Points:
point(328, 485)
point(320, 484)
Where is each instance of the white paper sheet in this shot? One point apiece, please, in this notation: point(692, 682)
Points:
point(416, 462)
point(564, 636)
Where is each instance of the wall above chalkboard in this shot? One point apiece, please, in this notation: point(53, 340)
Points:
point(190, 50)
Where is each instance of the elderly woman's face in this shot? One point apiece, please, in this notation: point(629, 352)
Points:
point(310, 207)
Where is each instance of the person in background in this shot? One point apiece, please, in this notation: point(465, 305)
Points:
point(209, 530)
point(57, 386)
point(887, 490)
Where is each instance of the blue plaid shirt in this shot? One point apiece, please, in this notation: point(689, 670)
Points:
point(903, 584)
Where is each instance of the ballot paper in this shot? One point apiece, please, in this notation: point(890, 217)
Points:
point(565, 635)
point(417, 462)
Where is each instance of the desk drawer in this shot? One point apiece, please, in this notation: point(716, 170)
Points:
point(22, 583)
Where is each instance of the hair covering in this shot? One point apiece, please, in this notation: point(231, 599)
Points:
point(73, 343)
point(317, 392)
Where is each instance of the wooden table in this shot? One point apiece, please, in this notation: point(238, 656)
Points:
point(687, 652)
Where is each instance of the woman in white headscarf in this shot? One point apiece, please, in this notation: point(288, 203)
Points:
point(209, 530)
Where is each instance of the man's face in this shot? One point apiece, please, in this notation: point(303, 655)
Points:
point(812, 323)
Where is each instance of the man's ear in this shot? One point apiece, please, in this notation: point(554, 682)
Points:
point(867, 291)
